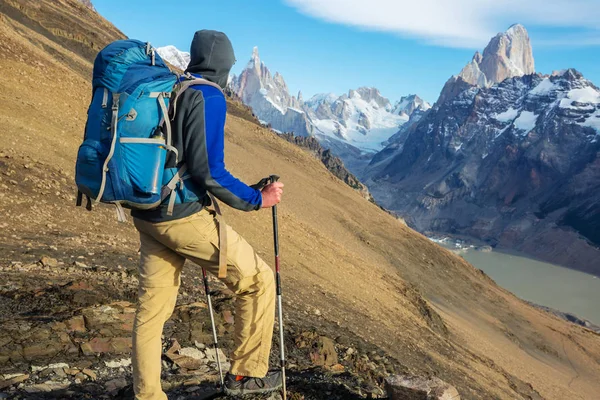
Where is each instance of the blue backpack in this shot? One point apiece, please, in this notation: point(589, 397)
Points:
point(128, 132)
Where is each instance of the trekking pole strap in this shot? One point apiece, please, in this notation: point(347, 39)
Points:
point(222, 239)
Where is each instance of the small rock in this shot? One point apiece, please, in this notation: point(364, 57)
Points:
point(199, 345)
point(337, 368)
point(80, 265)
point(71, 371)
point(90, 373)
point(35, 368)
point(115, 385)
point(49, 262)
point(13, 380)
point(46, 387)
point(211, 355)
point(192, 382)
point(228, 317)
point(75, 324)
point(192, 352)
point(125, 362)
point(60, 372)
point(408, 387)
point(116, 345)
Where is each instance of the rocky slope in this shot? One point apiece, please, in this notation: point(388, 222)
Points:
point(358, 285)
point(513, 163)
point(333, 163)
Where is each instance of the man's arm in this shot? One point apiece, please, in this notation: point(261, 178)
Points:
point(204, 145)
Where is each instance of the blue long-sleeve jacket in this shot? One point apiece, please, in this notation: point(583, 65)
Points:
point(199, 135)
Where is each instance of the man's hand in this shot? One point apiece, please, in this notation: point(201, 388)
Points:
point(271, 194)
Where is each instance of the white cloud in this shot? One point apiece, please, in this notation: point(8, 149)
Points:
point(453, 23)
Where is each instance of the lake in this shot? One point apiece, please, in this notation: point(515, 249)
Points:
point(546, 284)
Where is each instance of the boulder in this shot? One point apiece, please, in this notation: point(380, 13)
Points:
point(323, 352)
point(109, 320)
point(116, 345)
point(408, 387)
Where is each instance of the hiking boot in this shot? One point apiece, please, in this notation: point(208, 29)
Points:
point(241, 385)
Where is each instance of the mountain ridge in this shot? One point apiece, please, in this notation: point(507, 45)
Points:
point(489, 161)
point(359, 121)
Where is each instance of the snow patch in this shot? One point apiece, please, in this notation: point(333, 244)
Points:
point(526, 121)
point(587, 95)
point(507, 115)
point(544, 87)
point(174, 56)
point(593, 122)
point(277, 107)
point(295, 110)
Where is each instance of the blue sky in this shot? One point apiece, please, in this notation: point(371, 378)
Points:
point(398, 46)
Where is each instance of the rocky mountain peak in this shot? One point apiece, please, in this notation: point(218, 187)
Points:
point(572, 74)
point(407, 105)
point(269, 97)
point(255, 56)
point(370, 94)
point(507, 55)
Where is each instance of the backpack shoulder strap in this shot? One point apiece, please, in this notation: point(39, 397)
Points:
point(188, 81)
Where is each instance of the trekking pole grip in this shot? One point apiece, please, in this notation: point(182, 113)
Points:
point(273, 178)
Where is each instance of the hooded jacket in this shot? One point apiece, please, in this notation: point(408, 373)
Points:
point(198, 132)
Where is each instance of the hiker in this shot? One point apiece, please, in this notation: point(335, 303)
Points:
point(192, 233)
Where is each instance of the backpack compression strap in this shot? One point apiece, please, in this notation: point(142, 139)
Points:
point(160, 97)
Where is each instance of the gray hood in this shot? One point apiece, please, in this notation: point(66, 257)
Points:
point(211, 56)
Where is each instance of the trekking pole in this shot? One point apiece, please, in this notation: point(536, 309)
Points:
point(275, 178)
point(214, 328)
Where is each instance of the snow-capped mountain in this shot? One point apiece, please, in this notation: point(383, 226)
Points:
point(363, 118)
point(270, 99)
point(174, 56)
point(515, 163)
point(354, 125)
point(407, 105)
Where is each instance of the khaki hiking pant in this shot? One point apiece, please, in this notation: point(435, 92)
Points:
point(164, 248)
